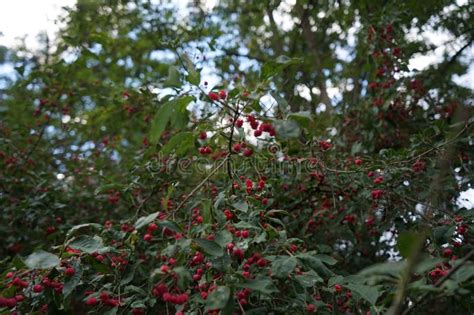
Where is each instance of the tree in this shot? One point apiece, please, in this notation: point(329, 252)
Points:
point(257, 157)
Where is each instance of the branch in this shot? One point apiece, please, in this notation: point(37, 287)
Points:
point(440, 281)
point(200, 185)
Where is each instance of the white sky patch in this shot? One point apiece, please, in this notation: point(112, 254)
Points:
point(466, 199)
point(28, 17)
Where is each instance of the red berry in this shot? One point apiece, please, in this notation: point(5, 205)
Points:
point(310, 308)
point(447, 252)
point(213, 96)
point(152, 227)
point(338, 288)
point(237, 147)
point(222, 94)
point(37, 288)
point(239, 123)
point(92, 301)
point(261, 262)
point(248, 152)
point(70, 272)
point(203, 135)
point(147, 237)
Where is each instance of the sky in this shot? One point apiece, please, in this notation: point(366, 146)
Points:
point(28, 17)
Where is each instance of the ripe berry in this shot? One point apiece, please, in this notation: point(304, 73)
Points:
point(257, 133)
point(248, 152)
point(310, 308)
point(447, 252)
point(338, 288)
point(245, 233)
point(69, 272)
point(147, 237)
point(358, 162)
point(203, 135)
point(237, 147)
point(213, 96)
point(37, 288)
point(92, 301)
point(152, 227)
point(239, 123)
point(222, 94)
point(261, 262)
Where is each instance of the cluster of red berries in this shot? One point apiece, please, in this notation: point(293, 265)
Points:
point(325, 145)
point(161, 291)
point(237, 148)
point(205, 150)
point(242, 296)
point(376, 194)
point(221, 95)
point(152, 227)
point(258, 127)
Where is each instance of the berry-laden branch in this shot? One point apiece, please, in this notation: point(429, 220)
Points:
point(438, 283)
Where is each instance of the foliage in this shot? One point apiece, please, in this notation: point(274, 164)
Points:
point(130, 184)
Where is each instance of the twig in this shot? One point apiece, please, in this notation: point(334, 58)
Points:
point(200, 185)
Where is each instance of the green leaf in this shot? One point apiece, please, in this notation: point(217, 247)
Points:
point(356, 148)
point(328, 260)
point(407, 242)
point(368, 293)
point(309, 279)
point(173, 79)
point(170, 225)
point(263, 285)
point(41, 260)
point(180, 142)
point(223, 237)
point(287, 129)
point(194, 77)
point(241, 206)
point(141, 222)
point(81, 226)
point(184, 277)
point(283, 266)
point(218, 298)
point(304, 119)
point(89, 244)
point(464, 273)
point(389, 268)
point(210, 247)
point(72, 282)
point(275, 66)
point(312, 261)
point(283, 105)
point(173, 111)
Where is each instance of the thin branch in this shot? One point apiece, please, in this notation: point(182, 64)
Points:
point(200, 185)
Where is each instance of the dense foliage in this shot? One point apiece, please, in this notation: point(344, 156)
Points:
point(132, 182)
